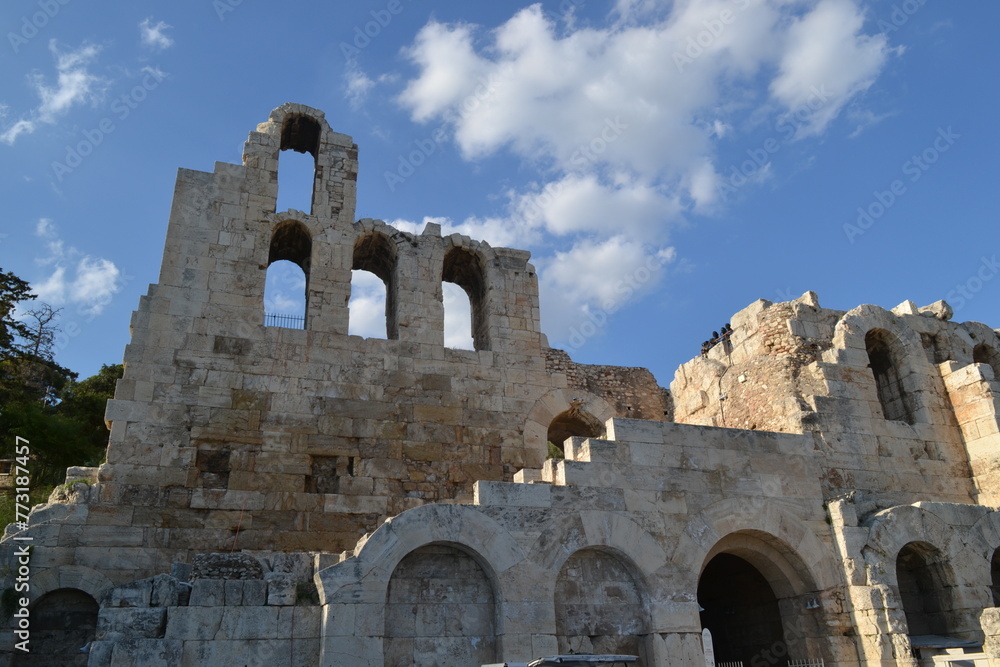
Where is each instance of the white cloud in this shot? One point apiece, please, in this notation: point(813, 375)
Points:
point(154, 36)
point(357, 84)
point(74, 85)
point(457, 318)
point(827, 62)
point(366, 305)
point(623, 122)
point(86, 282)
point(285, 289)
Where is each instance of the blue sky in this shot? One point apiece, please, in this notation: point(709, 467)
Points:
point(666, 163)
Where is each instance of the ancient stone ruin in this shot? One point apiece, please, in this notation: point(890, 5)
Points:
point(819, 486)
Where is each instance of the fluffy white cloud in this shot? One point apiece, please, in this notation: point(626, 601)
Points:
point(154, 36)
point(827, 62)
point(623, 121)
point(74, 85)
point(88, 283)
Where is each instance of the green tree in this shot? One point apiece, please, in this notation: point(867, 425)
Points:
point(41, 400)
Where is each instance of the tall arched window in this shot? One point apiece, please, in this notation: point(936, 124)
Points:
point(885, 355)
point(465, 269)
point(984, 354)
point(373, 289)
point(297, 163)
point(286, 289)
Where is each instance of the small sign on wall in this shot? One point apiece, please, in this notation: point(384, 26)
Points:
point(706, 644)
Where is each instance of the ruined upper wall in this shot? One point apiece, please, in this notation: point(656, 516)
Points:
point(319, 435)
point(797, 367)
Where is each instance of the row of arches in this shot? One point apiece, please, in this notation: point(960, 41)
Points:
point(592, 582)
point(375, 285)
point(897, 384)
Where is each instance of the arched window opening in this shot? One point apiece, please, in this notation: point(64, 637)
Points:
point(923, 590)
point(884, 356)
point(440, 610)
point(62, 622)
point(995, 577)
point(457, 315)
point(465, 269)
point(984, 354)
point(373, 289)
point(599, 607)
point(570, 423)
point(740, 610)
point(286, 286)
point(297, 163)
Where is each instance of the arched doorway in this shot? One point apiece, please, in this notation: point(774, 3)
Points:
point(599, 606)
point(62, 622)
point(741, 611)
point(569, 423)
point(440, 611)
point(924, 581)
point(761, 602)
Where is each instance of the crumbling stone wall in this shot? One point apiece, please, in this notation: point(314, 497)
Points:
point(633, 392)
point(797, 367)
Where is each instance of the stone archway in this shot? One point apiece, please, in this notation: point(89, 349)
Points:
point(440, 610)
point(63, 622)
point(760, 600)
point(741, 611)
point(599, 606)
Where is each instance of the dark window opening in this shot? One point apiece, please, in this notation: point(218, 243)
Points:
point(326, 473)
point(465, 269)
point(984, 354)
point(884, 356)
point(570, 423)
point(373, 282)
point(213, 468)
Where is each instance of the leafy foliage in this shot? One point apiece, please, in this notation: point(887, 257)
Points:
point(42, 401)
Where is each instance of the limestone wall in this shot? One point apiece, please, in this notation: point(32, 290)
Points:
point(797, 367)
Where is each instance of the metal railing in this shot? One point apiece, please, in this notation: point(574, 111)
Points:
point(286, 321)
